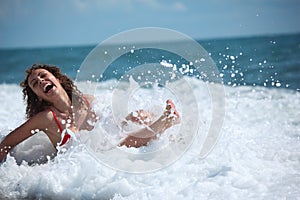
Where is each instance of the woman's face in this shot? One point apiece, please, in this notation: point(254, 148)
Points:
point(44, 84)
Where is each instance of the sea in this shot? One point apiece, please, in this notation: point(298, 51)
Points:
point(256, 154)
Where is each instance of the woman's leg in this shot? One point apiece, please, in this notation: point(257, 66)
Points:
point(141, 137)
point(140, 117)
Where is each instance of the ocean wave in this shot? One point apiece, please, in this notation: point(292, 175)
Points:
point(256, 156)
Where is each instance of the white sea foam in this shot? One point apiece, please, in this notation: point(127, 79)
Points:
point(256, 157)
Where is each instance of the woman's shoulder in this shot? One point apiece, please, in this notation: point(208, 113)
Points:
point(40, 121)
point(89, 98)
point(43, 116)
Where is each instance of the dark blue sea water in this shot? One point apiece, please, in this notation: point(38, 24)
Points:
point(270, 61)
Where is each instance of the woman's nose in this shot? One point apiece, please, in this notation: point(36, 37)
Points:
point(41, 80)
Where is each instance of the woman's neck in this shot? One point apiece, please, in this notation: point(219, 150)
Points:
point(63, 104)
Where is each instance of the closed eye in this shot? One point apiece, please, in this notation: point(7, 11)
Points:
point(34, 83)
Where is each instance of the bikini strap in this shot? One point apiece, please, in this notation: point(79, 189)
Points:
point(56, 120)
point(65, 136)
point(87, 101)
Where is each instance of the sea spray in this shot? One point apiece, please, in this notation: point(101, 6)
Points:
point(256, 157)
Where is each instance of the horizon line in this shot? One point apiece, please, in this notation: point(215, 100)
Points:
point(197, 39)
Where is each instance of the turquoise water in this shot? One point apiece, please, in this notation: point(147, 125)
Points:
point(270, 61)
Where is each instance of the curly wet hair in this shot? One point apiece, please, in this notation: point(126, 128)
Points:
point(34, 105)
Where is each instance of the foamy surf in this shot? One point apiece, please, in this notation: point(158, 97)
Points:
point(256, 157)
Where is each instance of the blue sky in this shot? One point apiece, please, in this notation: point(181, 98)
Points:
point(30, 23)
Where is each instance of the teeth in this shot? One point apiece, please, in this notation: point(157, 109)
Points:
point(45, 86)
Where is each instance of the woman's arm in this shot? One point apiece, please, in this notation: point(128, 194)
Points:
point(20, 134)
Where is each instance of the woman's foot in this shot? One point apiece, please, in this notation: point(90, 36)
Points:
point(172, 116)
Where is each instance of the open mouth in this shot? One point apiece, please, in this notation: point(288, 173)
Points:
point(48, 87)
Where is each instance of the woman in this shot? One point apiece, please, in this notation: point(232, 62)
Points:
point(56, 107)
